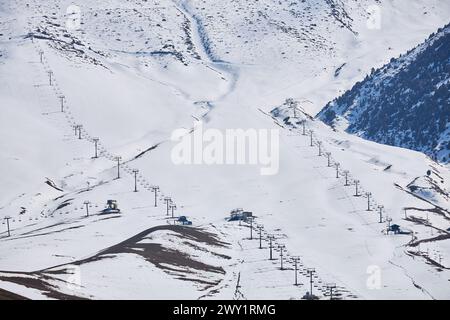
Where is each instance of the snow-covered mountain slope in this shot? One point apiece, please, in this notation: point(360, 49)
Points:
point(312, 49)
point(133, 72)
point(406, 103)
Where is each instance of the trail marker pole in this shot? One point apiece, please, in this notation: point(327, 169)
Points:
point(330, 287)
point(96, 140)
point(155, 189)
point(368, 195)
point(41, 56)
point(337, 164)
point(328, 154)
point(79, 127)
point(260, 228)
point(296, 260)
point(346, 172)
point(167, 200)
point(251, 227)
point(135, 171)
point(304, 127)
point(173, 207)
point(310, 272)
point(380, 208)
point(281, 247)
point(311, 137)
point(61, 98)
point(118, 166)
point(7, 225)
point(319, 144)
point(388, 220)
point(87, 203)
point(271, 238)
point(50, 74)
point(356, 188)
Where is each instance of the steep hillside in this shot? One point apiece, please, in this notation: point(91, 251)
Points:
point(312, 49)
point(126, 75)
point(406, 103)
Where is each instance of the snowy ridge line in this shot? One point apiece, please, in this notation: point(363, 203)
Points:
point(412, 86)
point(85, 135)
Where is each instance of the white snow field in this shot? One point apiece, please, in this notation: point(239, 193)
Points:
point(131, 72)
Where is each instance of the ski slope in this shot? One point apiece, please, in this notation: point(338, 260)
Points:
point(133, 73)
